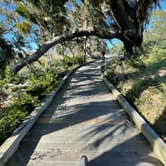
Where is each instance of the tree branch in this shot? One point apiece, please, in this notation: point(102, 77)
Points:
point(101, 33)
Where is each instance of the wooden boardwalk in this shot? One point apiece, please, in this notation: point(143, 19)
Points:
point(84, 120)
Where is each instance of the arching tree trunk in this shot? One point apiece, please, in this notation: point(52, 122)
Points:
point(128, 19)
point(102, 33)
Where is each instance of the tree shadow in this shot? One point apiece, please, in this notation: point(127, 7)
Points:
point(116, 142)
point(131, 152)
point(58, 117)
point(148, 74)
point(105, 131)
point(146, 77)
point(49, 123)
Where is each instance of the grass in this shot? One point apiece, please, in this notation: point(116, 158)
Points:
point(142, 80)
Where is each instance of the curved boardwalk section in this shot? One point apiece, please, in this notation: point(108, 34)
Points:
point(84, 120)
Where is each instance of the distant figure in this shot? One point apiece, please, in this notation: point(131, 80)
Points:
point(103, 53)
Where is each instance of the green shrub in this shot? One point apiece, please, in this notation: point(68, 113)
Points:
point(70, 61)
point(25, 101)
point(43, 84)
point(78, 60)
point(10, 119)
point(39, 82)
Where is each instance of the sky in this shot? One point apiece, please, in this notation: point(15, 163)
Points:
point(114, 41)
point(163, 4)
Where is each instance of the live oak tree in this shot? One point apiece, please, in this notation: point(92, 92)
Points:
point(65, 20)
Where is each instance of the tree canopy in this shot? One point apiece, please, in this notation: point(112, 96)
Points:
point(50, 22)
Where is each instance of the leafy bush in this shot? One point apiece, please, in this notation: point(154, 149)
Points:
point(25, 101)
point(78, 60)
point(43, 84)
point(27, 89)
point(67, 60)
point(10, 119)
point(70, 61)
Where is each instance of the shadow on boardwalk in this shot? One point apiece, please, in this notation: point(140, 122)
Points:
point(126, 153)
point(98, 120)
point(115, 157)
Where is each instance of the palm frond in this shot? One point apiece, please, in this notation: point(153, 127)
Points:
point(23, 27)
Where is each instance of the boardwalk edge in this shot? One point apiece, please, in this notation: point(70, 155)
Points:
point(9, 147)
point(157, 144)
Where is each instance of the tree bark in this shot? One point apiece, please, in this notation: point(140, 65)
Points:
point(129, 17)
point(102, 33)
point(85, 49)
point(128, 50)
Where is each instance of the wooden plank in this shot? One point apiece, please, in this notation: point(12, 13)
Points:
point(158, 145)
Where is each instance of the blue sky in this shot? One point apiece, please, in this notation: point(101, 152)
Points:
point(163, 4)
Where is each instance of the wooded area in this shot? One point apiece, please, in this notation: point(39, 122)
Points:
point(49, 23)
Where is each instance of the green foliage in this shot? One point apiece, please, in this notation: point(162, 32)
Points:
point(42, 84)
point(8, 77)
point(25, 100)
point(23, 27)
point(78, 60)
point(9, 120)
point(22, 10)
point(69, 61)
point(38, 83)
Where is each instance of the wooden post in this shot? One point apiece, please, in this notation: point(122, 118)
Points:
point(84, 161)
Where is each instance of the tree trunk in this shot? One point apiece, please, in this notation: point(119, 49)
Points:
point(63, 49)
point(128, 49)
point(85, 51)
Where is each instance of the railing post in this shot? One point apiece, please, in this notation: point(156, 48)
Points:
point(84, 161)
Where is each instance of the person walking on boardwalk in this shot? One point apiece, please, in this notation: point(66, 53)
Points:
point(103, 53)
